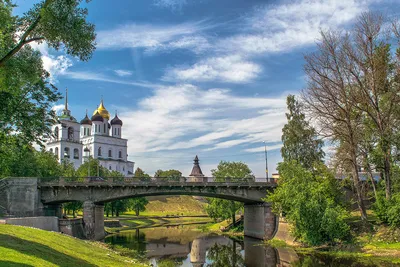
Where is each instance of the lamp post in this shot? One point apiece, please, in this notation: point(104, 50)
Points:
point(87, 150)
point(266, 160)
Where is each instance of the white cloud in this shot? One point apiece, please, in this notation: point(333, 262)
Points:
point(55, 65)
point(185, 116)
point(123, 73)
point(153, 37)
point(197, 44)
point(275, 28)
point(262, 148)
point(233, 69)
point(58, 108)
point(171, 4)
point(93, 76)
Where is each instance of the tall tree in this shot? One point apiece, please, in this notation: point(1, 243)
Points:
point(300, 140)
point(327, 97)
point(223, 209)
point(25, 92)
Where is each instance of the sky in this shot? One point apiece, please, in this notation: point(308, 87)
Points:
point(199, 77)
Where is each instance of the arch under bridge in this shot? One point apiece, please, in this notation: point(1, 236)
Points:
point(36, 197)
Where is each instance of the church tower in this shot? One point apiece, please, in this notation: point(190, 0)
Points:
point(196, 175)
point(65, 142)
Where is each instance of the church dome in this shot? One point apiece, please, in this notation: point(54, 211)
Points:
point(102, 111)
point(116, 121)
point(97, 117)
point(86, 120)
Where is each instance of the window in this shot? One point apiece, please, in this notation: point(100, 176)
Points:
point(51, 150)
point(76, 153)
point(70, 133)
point(109, 153)
point(109, 167)
point(99, 152)
point(66, 152)
point(120, 154)
point(104, 127)
point(56, 151)
point(123, 168)
point(56, 133)
point(119, 131)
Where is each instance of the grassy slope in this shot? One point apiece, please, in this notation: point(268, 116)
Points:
point(174, 205)
point(23, 246)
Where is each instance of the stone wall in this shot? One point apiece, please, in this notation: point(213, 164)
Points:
point(72, 227)
point(44, 223)
point(22, 197)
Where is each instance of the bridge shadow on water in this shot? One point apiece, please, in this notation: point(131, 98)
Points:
point(37, 250)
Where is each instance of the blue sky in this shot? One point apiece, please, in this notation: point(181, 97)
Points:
point(199, 76)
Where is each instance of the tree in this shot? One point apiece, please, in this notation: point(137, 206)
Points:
point(47, 164)
point(173, 175)
point(138, 204)
point(72, 206)
point(94, 167)
point(223, 209)
point(327, 97)
point(139, 173)
point(312, 203)
point(25, 92)
point(300, 141)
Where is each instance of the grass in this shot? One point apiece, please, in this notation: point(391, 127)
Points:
point(370, 241)
point(176, 205)
point(23, 246)
point(146, 222)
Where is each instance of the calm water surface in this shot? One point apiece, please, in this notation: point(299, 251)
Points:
point(187, 246)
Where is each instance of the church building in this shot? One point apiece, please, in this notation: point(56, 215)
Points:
point(97, 137)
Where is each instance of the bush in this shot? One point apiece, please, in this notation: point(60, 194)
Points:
point(312, 202)
point(388, 210)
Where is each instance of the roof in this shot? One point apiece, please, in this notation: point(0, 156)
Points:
point(86, 120)
point(97, 117)
point(116, 121)
point(196, 171)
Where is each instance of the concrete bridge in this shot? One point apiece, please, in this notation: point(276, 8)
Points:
point(37, 197)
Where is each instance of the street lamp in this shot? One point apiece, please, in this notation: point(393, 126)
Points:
point(266, 160)
point(87, 150)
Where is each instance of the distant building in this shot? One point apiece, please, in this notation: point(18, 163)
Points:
point(95, 137)
point(196, 175)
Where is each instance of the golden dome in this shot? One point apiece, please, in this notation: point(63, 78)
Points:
point(103, 111)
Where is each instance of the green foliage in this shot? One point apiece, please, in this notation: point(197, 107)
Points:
point(300, 142)
point(173, 175)
point(94, 168)
point(139, 173)
point(223, 209)
point(26, 96)
point(311, 202)
point(73, 207)
point(138, 204)
point(388, 210)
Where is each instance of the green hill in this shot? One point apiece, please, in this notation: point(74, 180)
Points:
point(23, 246)
point(173, 205)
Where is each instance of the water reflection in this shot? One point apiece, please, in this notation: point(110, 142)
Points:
point(186, 246)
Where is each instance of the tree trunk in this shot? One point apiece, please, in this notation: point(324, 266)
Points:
point(371, 177)
point(117, 213)
point(356, 182)
point(137, 211)
point(388, 186)
point(233, 213)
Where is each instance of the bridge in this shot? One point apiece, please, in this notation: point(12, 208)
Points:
point(37, 196)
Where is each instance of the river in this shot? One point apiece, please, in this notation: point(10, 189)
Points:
point(187, 246)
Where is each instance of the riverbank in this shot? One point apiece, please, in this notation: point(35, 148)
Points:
point(372, 241)
point(126, 223)
point(24, 246)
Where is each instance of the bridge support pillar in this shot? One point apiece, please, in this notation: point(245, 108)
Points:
point(93, 220)
point(259, 221)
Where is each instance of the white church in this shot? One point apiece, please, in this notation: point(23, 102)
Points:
point(96, 137)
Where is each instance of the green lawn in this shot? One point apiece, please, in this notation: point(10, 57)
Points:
point(23, 246)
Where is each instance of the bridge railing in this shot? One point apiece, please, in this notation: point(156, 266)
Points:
point(150, 180)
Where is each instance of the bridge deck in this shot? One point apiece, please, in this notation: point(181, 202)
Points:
point(152, 182)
